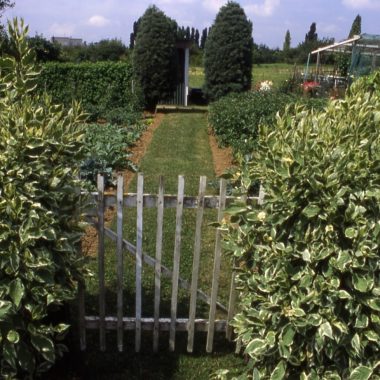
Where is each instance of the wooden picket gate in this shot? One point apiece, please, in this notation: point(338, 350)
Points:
point(121, 322)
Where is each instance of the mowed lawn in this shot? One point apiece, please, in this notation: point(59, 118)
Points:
point(275, 72)
point(180, 146)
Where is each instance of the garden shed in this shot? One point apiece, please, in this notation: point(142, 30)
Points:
point(180, 96)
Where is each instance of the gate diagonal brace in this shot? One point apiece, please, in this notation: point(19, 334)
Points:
point(164, 270)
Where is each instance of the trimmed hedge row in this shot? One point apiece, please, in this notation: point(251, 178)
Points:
point(236, 117)
point(104, 88)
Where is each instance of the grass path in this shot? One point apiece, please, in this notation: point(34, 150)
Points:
point(180, 145)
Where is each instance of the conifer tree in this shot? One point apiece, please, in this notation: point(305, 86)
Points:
point(154, 56)
point(356, 27)
point(312, 35)
point(228, 53)
point(287, 41)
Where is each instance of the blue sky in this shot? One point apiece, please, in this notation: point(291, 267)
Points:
point(93, 20)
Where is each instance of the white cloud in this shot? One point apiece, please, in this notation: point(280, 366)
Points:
point(213, 5)
point(98, 21)
point(63, 30)
point(265, 9)
point(362, 4)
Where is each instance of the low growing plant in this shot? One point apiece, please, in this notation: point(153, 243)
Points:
point(40, 147)
point(307, 261)
point(235, 118)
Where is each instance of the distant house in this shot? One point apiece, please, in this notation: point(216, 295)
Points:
point(68, 41)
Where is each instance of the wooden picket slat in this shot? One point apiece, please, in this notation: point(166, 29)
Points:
point(216, 269)
point(120, 263)
point(102, 304)
point(157, 266)
point(81, 316)
point(196, 261)
point(231, 307)
point(140, 189)
point(176, 261)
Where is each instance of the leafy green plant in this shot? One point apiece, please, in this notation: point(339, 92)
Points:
point(307, 261)
point(107, 148)
point(40, 147)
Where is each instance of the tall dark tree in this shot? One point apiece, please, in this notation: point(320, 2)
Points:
point(287, 41)
point(203, 38)
point(196, 37)
point(228, 53)
point(192, 36)
point(154, 56)
point(312, 35)
point(188, 33)
point(356, 27)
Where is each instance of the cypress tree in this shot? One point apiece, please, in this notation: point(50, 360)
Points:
point(356, 27)
point(203, 38)
point(286, 46)
point(228, 53)
point(154, 56)
point(312, 36)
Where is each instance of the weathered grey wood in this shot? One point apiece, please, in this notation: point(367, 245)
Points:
point(216, 269)
point(260, 200)
point(81, 316)
point(170, 201)
point(102, 305)
point(176, 261)
point(231, 307)
point(157, 266)
point(147, 324)
point(120, 263)
point(196, 261)
point(164, 270)
point(140, 189)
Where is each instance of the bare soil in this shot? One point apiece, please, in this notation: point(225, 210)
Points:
point(222, 157)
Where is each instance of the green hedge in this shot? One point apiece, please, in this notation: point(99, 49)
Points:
point(235, 118)
point(308, 268)
point(104, 88)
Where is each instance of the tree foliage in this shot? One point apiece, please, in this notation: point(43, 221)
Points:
point(44, 49)
point(312, 35)
point(228, 53)
point(40, 148)
point(356, 28)
point(154, 56)
point(308, 258)
point(287, 41)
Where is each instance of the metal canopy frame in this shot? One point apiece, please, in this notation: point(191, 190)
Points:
point(365, 44)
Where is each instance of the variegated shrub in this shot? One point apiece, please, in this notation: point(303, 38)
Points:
point(40, 147)
point(307, 261)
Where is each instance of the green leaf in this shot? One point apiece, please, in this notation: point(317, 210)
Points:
point(13, 336)
point(326, 330)
point(311, 211)
point(16, 291)
point(279, 372)
point(288, 335)
point(255, 347)
point(45, 346)
point(362, 283)
point(361, 373)
point(374, 304)
point(350, 233)
point(5, 306)
point(355, 343)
